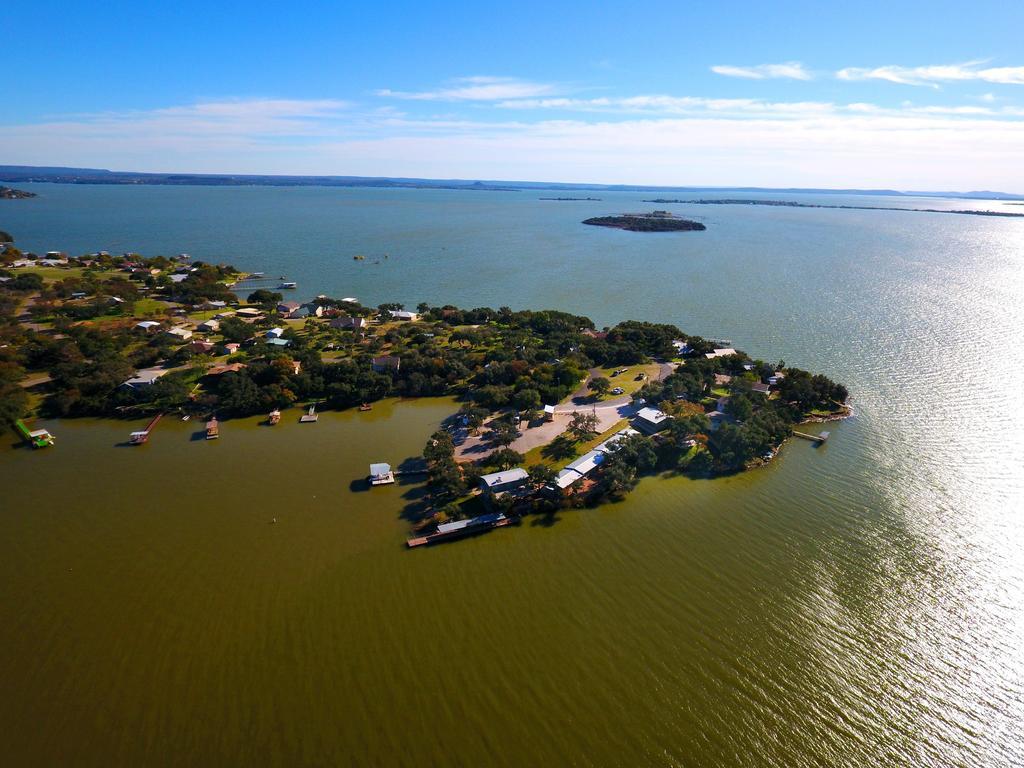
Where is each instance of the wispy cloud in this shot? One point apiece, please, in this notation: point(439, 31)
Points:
point(478, 88)
point(791, 70)
point(933, 75)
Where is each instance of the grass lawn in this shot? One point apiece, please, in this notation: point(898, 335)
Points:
point(627, 380)
point(50, 274)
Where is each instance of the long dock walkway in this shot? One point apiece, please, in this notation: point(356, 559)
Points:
point(813, 438)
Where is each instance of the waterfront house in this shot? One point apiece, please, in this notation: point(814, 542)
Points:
point(650, 420)
point(609, 445)
point(402, 316)
point(287, 308)
point(587, 463)
point(385, 363)
point(566, 478)
point(503, 482)
point(760, 387)
point(211, 305)
point(776, 378)
point(249, 312)
point(725, 352)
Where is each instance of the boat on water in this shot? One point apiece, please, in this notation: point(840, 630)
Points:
point(274, 417)
point(310, 416)
point(288, 284)
point(186, 417)
point(358, 258)
point(365, 407)
point(212, 429)
point(37, 438)
point(257, 274)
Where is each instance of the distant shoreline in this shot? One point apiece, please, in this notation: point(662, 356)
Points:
point(789, 204)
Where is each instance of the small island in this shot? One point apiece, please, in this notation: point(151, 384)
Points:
point(9, 193)
point(553, 411)
point(655, 221)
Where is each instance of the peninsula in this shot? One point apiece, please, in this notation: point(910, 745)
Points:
point(554, 411)
point(655, 221)
point(791, 204)
point(9, 193)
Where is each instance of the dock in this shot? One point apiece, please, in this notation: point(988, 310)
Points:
point(381, 474)
point(310, 416)
point(819, 439)
point(461, 528)
point(212, 429)
point(142, 435)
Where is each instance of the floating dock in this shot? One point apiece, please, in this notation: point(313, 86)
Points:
point(310, 416)
point(461, 528)
point(142, 435)
point(212, 429)
point(37, 438)
point(274, 417)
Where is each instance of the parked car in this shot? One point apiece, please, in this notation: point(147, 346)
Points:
point(618, 391)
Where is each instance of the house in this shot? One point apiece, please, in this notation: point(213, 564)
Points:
point(178, 278)
point(381, 474)
point(148, 326)
point(184, 334)
point(565, 478)
point(219, 370)
point(386, 363)
point(286, 308)
point(609, 445)
point(760, 387)
point(722, 404)
point(650, 420)
point(208, 305)
point(232, 348)
point(79, 295)
point(274, 333)
point(312, 309)
point(594, 334)
point(720, 353)
point(587, 463)
point(225, 315)
point(209, 326)
point(279, 342)
point(251, 312)
point(716, 418)
point(201, 347)
point(502, 482)
point(145, 377)
point(402, 316)
point(722, 380)
point(776, 378)
point(682, 347)
point(349, 323)
point(549, 413)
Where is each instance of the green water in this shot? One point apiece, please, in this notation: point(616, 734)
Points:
point(854, 604)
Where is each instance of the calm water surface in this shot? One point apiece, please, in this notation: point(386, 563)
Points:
point(857, 604)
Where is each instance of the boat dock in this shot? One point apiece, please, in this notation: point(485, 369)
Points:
point(819, 439)
point(212, 429)
point(142, 435)
point(310, 416)
point(460, 528)
point(381, 474)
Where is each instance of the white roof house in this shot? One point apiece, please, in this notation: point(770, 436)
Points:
point(651, 419)
point(275, 333)
point(587, 463)
point(401, 314)
point(565, 478)
point(721, 353)
point(209, 325)
point(145, 377)
point(182, 333)
point(608, 445)
point(147, 325)
point(504, 481)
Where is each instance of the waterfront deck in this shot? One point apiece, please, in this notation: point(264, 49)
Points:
point(461, 528)
point(819, 439)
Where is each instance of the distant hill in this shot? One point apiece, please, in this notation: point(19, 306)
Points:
point(56, 174)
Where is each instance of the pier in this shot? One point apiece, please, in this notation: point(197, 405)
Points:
point(460, 528)
point(819, 439)
point(37, 438)
point(142, 435)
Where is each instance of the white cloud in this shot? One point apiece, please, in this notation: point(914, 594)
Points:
point(934, 74)
point(642, 139)
point(479, 88)
point(792, 70)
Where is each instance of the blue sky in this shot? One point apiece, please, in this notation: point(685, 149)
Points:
point(911, 95)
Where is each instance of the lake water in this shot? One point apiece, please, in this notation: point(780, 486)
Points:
point(856, 604)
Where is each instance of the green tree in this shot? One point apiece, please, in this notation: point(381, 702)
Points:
point(582, 425)
point(502, 433)
point(527, 400)
point(600, 385)
point(541, 475)
point(265, 298)
point(505, 458)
